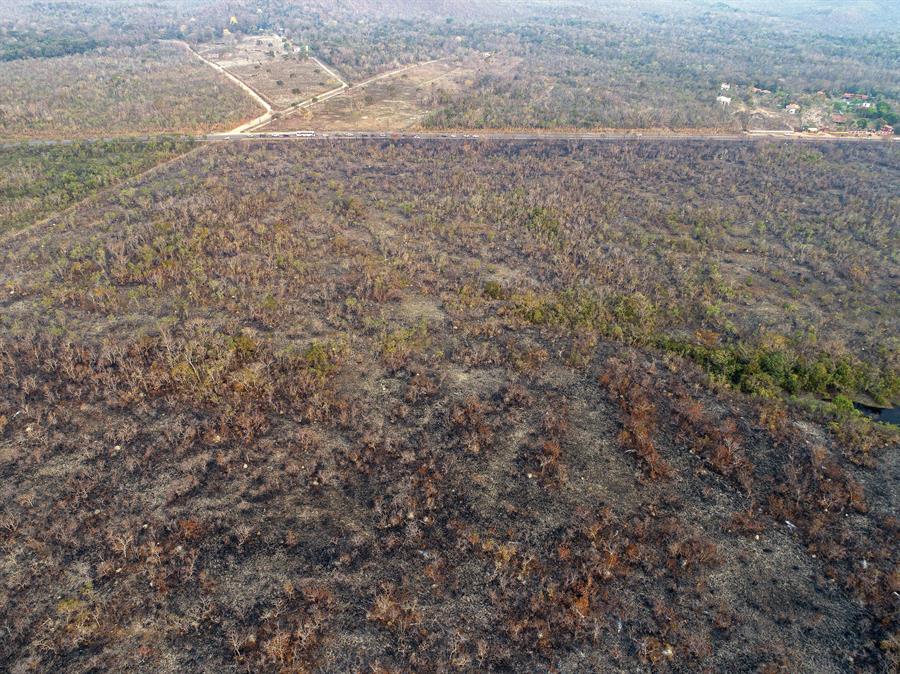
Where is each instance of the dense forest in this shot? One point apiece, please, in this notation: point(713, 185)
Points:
point(156, 88)
point(658, 72)
point(31, 44)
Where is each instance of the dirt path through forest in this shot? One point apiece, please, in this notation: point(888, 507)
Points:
point(270, 112)
point(255, 95)
point(13, 234)
point(346, 88)
point(398, 71)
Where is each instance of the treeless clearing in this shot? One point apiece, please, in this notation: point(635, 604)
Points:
point(156, 88)
point(393, 102)
point(272, 67)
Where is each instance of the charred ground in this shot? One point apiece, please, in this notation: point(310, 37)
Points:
point(402, 406)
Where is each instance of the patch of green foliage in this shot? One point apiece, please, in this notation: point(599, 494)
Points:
point(544, 222)
point(403, 340)
point(27, 44)
point(625, 317)
point(494, 290)
point(319, 358)
point(880, 111)
point(36, 180)
point(570, 309)
point(767, 372)
point(758, 370)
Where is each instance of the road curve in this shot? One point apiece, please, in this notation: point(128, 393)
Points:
point(250, 128)
point(255, 95)
point(321, 98)
point(270, 112)
point(329, 71)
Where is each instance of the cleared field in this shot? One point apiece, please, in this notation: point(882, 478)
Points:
point(393, 102)
point(156, 88)
point(274, 68)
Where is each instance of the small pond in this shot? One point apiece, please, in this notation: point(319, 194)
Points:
point(886, 415)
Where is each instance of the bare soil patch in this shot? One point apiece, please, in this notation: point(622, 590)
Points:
point(273, 67)
point(393, 103)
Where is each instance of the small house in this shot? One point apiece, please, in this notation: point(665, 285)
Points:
point(792, 108)
point(724, 101)
point(839, 119)
point(887, 130)
point(725, 86)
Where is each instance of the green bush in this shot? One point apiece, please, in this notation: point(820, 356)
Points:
point(763, 371)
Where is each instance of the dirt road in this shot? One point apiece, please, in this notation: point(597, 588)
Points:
point(549, 136)
point(347, 87)
point(398, 71)
point(319, 98)
point(328, 70)
point(255, 95)
point(270, 112)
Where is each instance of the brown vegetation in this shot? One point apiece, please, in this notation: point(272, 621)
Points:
point(155, 88)
point(443, 406)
